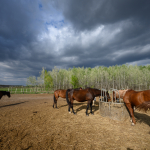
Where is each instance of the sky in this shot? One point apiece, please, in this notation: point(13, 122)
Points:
point(71, 33)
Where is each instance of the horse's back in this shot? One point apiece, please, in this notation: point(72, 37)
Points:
point(146, 95)
point(60, 93)
point(136, 97)
point(82, 95)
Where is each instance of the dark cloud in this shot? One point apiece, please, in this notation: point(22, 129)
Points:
point(36, 34)
point(85, 15)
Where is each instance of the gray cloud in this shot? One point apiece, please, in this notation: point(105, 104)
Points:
point(71, 33)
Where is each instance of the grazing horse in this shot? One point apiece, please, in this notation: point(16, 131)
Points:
point(80, 96)
point(118, 94)
point(4, 93)
point(139, 99)
point(60, 93)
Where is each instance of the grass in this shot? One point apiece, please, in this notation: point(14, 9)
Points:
point(26, 90)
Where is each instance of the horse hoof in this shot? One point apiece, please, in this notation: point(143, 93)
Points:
point(87, 115)
point(131, 120)
point(132, 124)
point(69, 112)
point(92, 113)
point(74, 113)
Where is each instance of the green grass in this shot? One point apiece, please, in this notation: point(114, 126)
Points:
point(26, 90)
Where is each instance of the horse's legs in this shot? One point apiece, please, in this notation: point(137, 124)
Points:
point(55, 100)
point(87, 108)
point(91, 107)
point(72, 107)
point(56, 104)
point(69, 109)
point(131, 113)
point(93, 103)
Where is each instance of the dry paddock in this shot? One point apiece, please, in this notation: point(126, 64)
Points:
point(28, 122)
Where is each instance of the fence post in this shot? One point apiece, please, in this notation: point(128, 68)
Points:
point(113, 82)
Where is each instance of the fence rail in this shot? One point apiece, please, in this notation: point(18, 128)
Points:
point(26, 90)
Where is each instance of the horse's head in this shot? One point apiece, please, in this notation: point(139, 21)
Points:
point(108, 97)
point(8, 94)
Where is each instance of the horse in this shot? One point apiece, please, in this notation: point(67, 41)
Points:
point(60, 93)
point(4, 93)
point(87, 94)
point(98, 92)
point(139, 99)
point(118, 94)
point(80, 96)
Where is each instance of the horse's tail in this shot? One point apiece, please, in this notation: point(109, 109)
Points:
point(144, 106)
point(67, 99)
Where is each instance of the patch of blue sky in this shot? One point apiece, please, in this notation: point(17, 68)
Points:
point(55, 24)
point(40, 6)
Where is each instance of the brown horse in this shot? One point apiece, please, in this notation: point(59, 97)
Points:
point(80, 96)
point(60, 93)
point(4, 93)
point(118, 94)
point(98, 92)
point(140, 100)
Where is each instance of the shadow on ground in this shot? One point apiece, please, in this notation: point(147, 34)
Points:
point(13, 104)
point(142, 118)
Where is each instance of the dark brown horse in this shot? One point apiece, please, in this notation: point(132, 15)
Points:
point(80, 96)
point(98, 92)
point(4, 93)
point(140, 100)
point(60, 93)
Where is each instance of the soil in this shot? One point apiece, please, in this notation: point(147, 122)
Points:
point(29, 122)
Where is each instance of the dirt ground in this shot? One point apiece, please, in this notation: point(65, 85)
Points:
point(29, 122)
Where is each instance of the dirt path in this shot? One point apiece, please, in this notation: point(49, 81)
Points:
point(28, 122)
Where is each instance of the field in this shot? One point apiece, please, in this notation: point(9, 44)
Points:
point(28, 122)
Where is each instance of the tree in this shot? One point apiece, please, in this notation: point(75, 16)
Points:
point(31, 81)
point(48, 80)
point(74, 81)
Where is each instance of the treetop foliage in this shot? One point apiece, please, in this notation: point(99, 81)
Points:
point(118, 75)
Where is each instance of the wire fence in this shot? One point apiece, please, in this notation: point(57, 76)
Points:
point(26, 90)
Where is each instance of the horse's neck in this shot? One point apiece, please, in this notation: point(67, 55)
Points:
point(4, 93)
point(99, 93)
point(124, 92)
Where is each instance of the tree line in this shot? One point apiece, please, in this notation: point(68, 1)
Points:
point(117, 77)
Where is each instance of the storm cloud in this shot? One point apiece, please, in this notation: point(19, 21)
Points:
point(43, 33)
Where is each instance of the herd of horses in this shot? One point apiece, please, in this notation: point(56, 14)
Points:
point(138, 99)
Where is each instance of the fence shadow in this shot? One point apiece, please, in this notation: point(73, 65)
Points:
point(142, 118)
point(13, 104)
